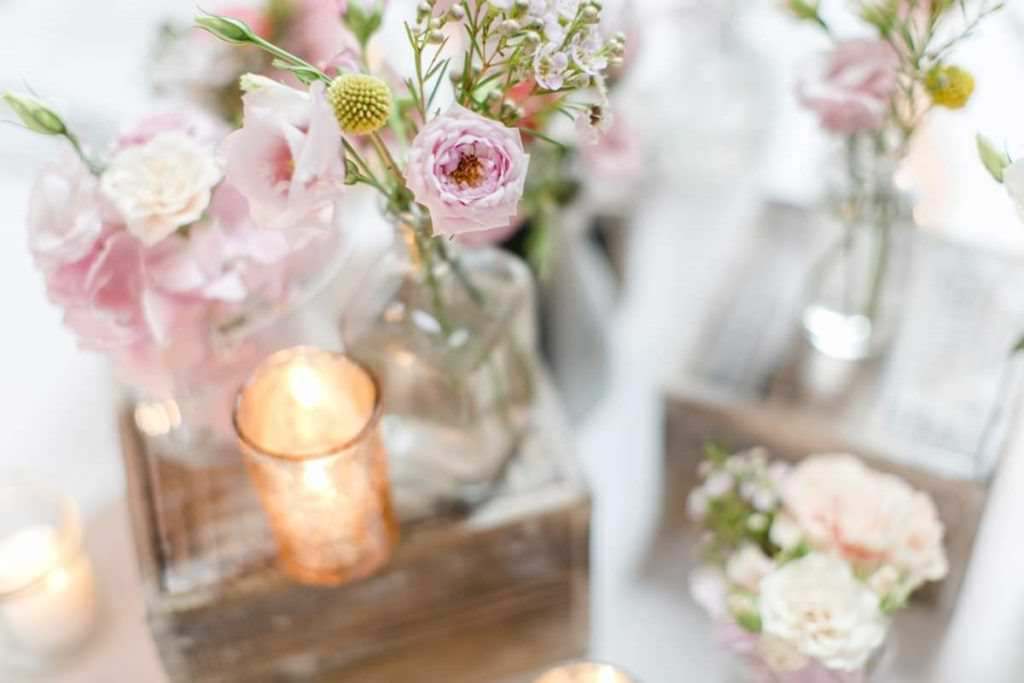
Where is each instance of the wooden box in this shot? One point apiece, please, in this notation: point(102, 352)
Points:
point(487, 597)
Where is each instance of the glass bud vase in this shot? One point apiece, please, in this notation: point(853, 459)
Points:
point(854, 291)
point(452, 340)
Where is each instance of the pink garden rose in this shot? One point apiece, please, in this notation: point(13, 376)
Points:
point(287, 158)
point(469, 171)
point(870, 518)
point(852, 90)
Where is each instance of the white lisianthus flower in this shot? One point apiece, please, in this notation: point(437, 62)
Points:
point(818, 605)
point(748, 566)
point(161, 185)
point(1013, 178)
point(784, 532)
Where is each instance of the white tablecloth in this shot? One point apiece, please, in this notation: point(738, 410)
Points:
point(55, 403)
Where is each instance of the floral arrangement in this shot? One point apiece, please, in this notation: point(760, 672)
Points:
point(882, 87)
point(805, 564)
point(193, 66)
point(178, 226)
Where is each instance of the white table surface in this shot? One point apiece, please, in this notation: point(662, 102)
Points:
point(56, 400)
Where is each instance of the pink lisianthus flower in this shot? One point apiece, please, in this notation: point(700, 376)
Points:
point(106, 312)
point(194, 123)
point(316, 33)
point(287, 158)
point(851, 92)
point(66, 214)
point(214, 260)
point(468, 171)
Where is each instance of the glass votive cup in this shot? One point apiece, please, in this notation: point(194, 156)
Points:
point(308, 424)
point(585, 672)
point(47, 586)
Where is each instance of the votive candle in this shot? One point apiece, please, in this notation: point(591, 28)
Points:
point(308, 424)
point(585, 672)
point(47, 587)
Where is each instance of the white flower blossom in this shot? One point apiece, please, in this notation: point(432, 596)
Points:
point(748, 566)
point(818, 605)
point(697, 504)
point(784, 532)
point(549, 68)
point(718, 484)
point(161, 185)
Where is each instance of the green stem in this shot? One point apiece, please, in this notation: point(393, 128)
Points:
point(436, 296)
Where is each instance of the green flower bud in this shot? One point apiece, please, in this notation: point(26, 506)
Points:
point(457, 13)
point(436, 24)
point(227, 29)
point(435, 37)
point(591, 15)
point(35, 115)
point(361, 103)
point(995, 160)
point(509, 26)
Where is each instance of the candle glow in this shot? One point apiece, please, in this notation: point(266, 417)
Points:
point(307, 423)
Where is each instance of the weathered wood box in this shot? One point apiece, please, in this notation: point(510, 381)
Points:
point(496, 594)
point(936, 409)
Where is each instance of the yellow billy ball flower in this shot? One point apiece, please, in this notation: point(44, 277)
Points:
point(949, 86)
point(361, 103)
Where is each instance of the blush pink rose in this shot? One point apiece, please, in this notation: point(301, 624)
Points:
point(286, 160)
point(851, 91)
point(870, 518)
point(469, 171)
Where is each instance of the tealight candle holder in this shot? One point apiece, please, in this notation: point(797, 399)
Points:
point(47, 586)
point(585, 672)
point(308, 424)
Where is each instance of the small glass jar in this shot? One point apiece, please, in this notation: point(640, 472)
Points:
point(853, 302)
point(453, 341)
point(308, 423)
point(47, 587)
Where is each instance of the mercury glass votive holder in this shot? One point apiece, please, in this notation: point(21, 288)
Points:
point(308, 424)
point(585, 672)
point(47, 587)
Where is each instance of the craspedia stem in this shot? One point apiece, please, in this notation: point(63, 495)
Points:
point(361, 103)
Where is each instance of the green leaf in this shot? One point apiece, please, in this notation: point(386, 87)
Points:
point(303, 73)
point(1018, 347)
point(995, 161)
point(750, 621)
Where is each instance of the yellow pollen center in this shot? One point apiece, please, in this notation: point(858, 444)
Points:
point(469, 171)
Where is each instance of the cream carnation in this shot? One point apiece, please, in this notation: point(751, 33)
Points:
point(817, 605)
point(468, 171)
point(161, 185)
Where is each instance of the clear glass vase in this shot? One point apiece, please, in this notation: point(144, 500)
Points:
point(182, 402)
point(855, 290)
point(452, 339)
